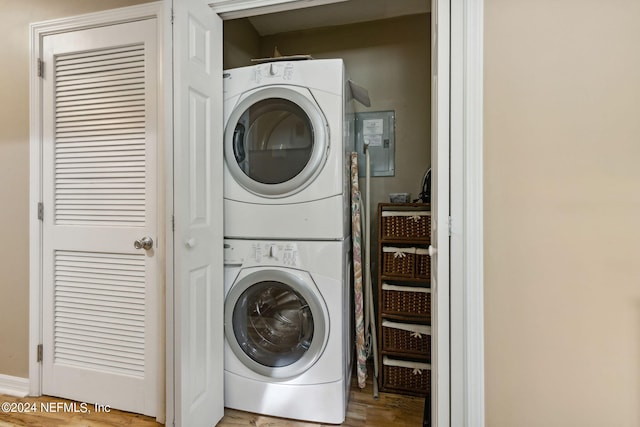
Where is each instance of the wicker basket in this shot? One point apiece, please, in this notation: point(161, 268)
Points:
point(406, 225)
point(423, 264)
point(411, 339)
point(406, 300)
point(399, 262)
point(406, 379)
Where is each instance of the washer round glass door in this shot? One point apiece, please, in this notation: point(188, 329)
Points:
point(275, 323)
point(276, 142)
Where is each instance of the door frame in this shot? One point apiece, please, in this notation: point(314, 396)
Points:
point(37, 32)
point(463, 27)
point(466, 225)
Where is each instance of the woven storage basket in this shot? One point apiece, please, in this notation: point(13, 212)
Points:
point(406, 300)
point(423, 264)
point(398, 262)
point(407, 338)
point(400, 378)
point(406, 225)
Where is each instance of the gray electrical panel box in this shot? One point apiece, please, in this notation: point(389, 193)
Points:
point(378, 129)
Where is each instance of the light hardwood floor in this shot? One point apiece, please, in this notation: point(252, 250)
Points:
point(390, 410)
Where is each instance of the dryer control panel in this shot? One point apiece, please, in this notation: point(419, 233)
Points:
point(274, 70)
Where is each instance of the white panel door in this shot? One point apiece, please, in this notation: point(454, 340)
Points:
point(99, 293)
point(440, 211)
point(198, 240)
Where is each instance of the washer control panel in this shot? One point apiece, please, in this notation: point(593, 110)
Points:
point(247, 253)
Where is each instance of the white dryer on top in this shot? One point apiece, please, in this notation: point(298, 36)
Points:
point(288, 133)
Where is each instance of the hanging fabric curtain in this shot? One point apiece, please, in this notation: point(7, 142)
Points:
point(356, 233)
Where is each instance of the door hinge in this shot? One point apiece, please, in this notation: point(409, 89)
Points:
point(39, 355)
point(450, 226)
point(173, 15)
point(40, 211)
point(40, 69)
point(173, 223)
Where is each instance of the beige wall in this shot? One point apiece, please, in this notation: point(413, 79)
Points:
point(241, 43)
point(14, 167)
point(562, 213)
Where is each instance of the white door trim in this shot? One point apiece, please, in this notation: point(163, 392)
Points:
point(467, 272)
point(231, 9)
point(441, 206)
point(37, 32)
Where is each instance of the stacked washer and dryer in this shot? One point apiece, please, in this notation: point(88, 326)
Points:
point(288, 335)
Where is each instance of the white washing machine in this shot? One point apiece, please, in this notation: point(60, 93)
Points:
point(288, 341)
point(288, 134)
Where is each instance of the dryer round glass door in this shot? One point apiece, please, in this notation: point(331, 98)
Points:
point(275, 323)
point(275, 141)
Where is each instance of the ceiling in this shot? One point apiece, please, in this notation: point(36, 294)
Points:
point(346, 12)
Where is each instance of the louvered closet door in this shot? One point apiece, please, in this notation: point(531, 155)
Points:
point(101, 317)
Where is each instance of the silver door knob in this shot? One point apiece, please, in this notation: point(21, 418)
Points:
point(145, 243)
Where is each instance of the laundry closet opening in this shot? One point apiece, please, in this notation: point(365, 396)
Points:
point(389, 54)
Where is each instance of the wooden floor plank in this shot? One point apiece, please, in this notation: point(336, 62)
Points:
point(390, 410)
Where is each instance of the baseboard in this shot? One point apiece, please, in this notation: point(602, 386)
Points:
point(14, 386)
